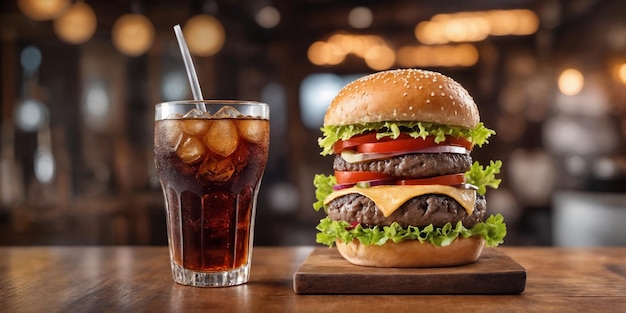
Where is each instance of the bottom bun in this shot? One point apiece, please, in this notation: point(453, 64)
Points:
point(412, 253)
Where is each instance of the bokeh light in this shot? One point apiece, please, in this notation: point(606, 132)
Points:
point(380, 57)
point(268, 17)
point(621, 73)
point(133, 34)
point(476, 26)
point(30, 58)
point(360, 17)
point(31, 115)
point(77, 24)
point(44, 165)
point(204, 34)
point(325, 53)
point(96, 105)
point(42, 10)
point(571, 82)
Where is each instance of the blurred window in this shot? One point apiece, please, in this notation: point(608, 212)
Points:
point(316, 93)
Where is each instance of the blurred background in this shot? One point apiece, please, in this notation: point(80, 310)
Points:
point(79, 81)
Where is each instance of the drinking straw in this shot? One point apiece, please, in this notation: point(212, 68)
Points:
point(191, 71)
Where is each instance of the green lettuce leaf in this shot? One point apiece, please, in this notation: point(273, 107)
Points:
point(493, 230)
point(331, 134)
point(484, 177)
point(323, 187)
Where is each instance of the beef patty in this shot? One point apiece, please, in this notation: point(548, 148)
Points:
point(411, 165)
point(419, 211)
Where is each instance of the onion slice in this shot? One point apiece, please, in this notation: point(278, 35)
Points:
point(351, 156)
point(443, 149)
point(338, 187)
point(375, 182)
point(366, 183)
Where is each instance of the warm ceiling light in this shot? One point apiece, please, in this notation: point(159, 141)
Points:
point(430, 33)
point(133, 34)
point(204, 34)
point(621, 73)
point(324, 53)
point(466, 29)
point(42, 10)
point(527, 22)
point(502, 22)
point(77, 24)
point(344, 41)
point(380, 57)
point(373, 49)
point(316, 53)
point(571, 82)
point(476, 26)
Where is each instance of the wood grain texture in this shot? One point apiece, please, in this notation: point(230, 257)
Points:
point(138, 279)
point(326, 272)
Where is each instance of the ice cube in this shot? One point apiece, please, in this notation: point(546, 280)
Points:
point(253, 130)
point(191, 149)
point(197, 113)
point(240, 157)
point(227, 112)
point(196, 127)
point(168, 134)
point(222, 137)
point(217, 169)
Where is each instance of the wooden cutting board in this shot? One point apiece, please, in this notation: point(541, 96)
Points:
point(326, 272)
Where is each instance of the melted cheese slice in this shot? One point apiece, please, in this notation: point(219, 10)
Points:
point(389, 198)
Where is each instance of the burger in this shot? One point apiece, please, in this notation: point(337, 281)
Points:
point(405, 191)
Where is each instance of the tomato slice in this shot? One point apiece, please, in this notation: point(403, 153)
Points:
point(448, 180)
point(410, 144)
point(368, 143)
point(353, 141)
point(353, 177)
point(361, 139)
point(397, 145)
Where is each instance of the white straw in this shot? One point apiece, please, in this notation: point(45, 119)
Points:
point(191, 71)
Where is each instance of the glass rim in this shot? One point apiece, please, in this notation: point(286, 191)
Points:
point(213, 102)
point(247, 108)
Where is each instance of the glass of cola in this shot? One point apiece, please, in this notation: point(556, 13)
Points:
point(210, 157)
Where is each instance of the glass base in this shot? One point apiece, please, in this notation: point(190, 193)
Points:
point(188, 277)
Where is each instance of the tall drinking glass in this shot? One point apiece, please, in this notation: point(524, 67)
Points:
point(210, 157)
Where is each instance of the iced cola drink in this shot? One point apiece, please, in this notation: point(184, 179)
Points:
point(210, 157)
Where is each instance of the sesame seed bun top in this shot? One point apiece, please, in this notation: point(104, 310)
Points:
point(403, 95)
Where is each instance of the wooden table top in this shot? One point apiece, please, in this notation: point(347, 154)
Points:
point(138, 279)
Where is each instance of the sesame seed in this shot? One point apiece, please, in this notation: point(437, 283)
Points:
point(421, 87)
point(440, 87)
point(405, 94)
point(432, 94)
point(443, 94)
point(427, 100)
point(411, 108)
